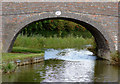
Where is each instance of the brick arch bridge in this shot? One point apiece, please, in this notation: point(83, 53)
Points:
point(101, 19)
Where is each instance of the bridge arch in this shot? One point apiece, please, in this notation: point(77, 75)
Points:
point(103, 40)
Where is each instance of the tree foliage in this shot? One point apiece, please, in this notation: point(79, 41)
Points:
point(52, 27)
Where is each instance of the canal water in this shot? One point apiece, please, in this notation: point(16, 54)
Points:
point(65, 65)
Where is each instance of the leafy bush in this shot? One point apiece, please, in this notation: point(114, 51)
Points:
point(10, 67)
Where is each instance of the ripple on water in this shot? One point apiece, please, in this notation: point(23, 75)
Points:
point(69, 54)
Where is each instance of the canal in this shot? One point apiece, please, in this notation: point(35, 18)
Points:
point(65, 65)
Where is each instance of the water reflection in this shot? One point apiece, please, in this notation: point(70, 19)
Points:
point(104, 72)
point(68, 65)
point(77, 67)
point(69, 71)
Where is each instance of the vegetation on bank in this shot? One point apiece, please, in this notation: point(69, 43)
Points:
point(9, 67)
point(20, 53)
point(8, 59)
point(40, 42)
point(26, 50)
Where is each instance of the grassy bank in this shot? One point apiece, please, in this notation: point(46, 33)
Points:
point(20, 53)
point(26, 50)
point(39, 42)
point(14, 56)
point(8, 59)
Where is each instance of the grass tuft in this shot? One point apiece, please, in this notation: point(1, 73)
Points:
point(8, 68)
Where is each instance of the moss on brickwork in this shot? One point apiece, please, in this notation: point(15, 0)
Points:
point(115, 58)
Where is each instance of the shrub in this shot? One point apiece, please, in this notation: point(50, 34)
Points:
point(8, 68)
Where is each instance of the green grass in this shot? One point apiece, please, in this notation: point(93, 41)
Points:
point(26, 50)
point(8, 68)
point(40, 42)
point(7, 58)
point(20, 56)
point(22, 53)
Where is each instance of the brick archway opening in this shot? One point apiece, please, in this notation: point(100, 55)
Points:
point(102, 48)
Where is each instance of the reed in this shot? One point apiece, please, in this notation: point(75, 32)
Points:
point(40, 42)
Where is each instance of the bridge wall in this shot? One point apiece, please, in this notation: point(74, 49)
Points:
point(101, 18)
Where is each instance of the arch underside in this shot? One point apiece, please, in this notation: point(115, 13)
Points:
point(102, 42)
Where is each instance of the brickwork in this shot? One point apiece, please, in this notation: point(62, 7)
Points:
point(100, 18)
